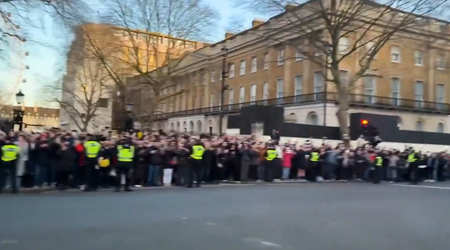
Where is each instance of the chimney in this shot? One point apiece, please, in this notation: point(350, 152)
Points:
point(290, 7)
point(228, 35)
point(257, 22)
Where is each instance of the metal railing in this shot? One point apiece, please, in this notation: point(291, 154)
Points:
point(328, 97)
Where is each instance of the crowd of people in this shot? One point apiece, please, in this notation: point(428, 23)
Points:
point(59, 159)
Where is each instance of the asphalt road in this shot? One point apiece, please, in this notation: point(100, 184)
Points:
point(339, 216)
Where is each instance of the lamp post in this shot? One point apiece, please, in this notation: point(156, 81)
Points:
point(17, 113)
point(129, 122)
point(223, 86)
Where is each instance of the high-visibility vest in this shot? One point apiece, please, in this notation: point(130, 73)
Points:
point(412, 157)
point(271, 154)
point(379, 161)
point(92, 148)
point(197, 152)
point(125, 154)
point(314, 156)
point(10, 152)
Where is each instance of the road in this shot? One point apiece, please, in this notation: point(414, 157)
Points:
point(340, 216)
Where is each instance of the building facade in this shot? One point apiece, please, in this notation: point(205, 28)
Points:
point(101, 57)
point(35, 119)
point(411, 81)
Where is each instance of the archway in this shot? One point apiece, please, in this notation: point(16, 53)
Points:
point(441, 127)
point(312, 118)
point(199, 127)
point(419, 125)
point(191, 126)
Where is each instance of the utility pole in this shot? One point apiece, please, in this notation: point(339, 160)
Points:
point(223, 87)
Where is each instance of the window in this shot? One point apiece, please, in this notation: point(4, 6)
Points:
point(220, 75)
point(440, 128)
point(343, 45)
point(318, 85)
point(280, 57)
point(298, 88)
point(265, 92)
point(419, 126)
point(241, 96)
point(231, 70)
point(343, 77)
point(252, 94)
point(266, 61)
point(440, 96)
point(242, 69)
point(440, 61)
point(213, 76)
point(298, 54)
point(395, 91)
point(418, 58)
point(254, 64)
point(280, 87)
point(369, 89)
point(395, 54)
point(211, 101)
point(230, 97)
point(102, 102)
point(418, 94)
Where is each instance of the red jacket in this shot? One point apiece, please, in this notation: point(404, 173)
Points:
point(80, 153)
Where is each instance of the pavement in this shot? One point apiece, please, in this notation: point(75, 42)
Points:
point(292, 216)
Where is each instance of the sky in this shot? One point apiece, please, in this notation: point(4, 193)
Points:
point(46, 55)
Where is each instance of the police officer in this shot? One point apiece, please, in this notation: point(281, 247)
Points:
point(10, 153)
point(269, 162)
point(413, 159)
point(313, 166)
point(125, 157)
point(195, 163)
point(92, 149)
point(378, 169)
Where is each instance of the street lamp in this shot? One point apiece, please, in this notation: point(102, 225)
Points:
point(224, 87)
point(129, 122)
point(19, 97)
point(129, 107)
point(17, 113)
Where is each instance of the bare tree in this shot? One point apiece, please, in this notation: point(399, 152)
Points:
point(17, 18)
point(318, 29)
point(83, 95)
point(143, 39)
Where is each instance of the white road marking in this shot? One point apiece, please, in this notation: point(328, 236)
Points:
point(271, 244)
point(210, 224)
point(8, 242)
point(418, 186)
point(184, 218)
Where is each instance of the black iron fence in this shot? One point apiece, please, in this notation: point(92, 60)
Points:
point(355, 100)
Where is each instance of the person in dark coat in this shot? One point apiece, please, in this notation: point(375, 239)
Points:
point(64, 164)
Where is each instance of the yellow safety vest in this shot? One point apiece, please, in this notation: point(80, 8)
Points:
point(125, 154)
point(197, 152)
point(271, 154)
point(412, 157)
point(10, 152)
point(92, 148)
point(379, 161)
point(314, 156)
